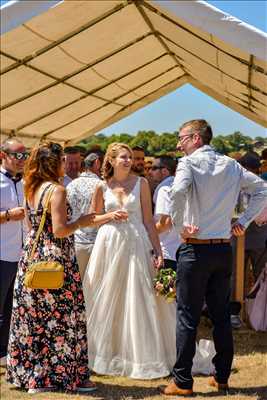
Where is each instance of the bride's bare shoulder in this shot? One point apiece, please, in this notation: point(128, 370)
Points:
point(100, 187)
point(143, 181)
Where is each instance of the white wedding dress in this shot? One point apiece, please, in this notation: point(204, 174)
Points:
point(131, 331)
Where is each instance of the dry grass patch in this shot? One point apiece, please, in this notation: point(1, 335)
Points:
point(248, 381)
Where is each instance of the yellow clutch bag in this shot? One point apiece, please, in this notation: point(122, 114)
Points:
point(44, 274)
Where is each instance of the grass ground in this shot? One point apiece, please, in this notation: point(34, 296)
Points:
point(248, 381)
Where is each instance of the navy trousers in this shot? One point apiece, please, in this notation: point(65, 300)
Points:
point(8, 272)
point(170, 264)
point(203, 274)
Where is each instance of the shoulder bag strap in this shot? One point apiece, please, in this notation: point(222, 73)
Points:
point(48, 197)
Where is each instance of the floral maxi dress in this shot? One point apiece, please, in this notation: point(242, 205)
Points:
point(47, 342)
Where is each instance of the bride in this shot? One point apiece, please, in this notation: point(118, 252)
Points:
point(131, 332)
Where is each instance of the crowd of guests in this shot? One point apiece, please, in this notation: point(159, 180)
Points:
point(113, 220)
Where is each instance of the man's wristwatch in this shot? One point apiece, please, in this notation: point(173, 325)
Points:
point(7, 215)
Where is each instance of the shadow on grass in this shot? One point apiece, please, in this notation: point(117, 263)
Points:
point(109, 392)
point(259, 391)
point(119, 392)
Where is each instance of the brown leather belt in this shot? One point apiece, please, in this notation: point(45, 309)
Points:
point(206, 241)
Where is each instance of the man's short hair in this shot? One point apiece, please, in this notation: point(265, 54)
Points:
point(264, 154)
point(250, 161)
point(72, 150)
point(90, 159)
point(168, 162)
point(201, 127)
point(138, 148)
point(96, 150)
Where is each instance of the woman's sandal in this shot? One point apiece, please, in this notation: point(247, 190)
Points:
point(42, 390)
point(88, 386)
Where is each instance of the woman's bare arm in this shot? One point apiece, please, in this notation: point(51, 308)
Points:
point(164, 224)
point(97, 203)
point(148, 218)
point(27, 221)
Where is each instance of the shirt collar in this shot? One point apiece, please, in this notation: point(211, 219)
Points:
point(167, 180)
point(87, 174)
point(13, 178)
point(201, 149)
point(3, 170)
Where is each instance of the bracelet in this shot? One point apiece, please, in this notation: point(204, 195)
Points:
point(7, 215)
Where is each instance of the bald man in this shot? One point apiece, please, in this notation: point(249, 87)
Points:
point(13, 155)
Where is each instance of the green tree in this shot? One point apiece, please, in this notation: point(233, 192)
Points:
point(238, 141)
point(221, 145)
point(143, 139)
point(156, 144)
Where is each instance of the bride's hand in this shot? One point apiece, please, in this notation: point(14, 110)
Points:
point(118, 215)
point(158, 261)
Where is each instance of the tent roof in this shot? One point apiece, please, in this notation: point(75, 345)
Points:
point(83, 65)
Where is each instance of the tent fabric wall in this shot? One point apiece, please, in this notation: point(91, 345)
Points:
point(83, 65)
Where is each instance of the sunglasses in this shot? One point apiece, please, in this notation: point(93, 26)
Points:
point(156, 167)
point(18, 155)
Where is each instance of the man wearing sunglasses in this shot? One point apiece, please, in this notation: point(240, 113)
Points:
point(13, 155)
point(162, 173)
point(204, 195)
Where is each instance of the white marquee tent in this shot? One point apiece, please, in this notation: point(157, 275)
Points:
point(69, 70)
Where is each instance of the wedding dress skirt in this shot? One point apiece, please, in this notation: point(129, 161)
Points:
point(131, 331)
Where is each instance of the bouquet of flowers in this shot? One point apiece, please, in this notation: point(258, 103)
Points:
point(165, 284)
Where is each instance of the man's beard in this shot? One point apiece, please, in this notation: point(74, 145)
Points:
point(138, 169)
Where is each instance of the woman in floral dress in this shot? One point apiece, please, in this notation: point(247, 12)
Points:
point(47, 342)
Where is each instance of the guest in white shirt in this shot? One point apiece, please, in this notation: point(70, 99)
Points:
point(73, 163)
point(11, 228)
point(79, 193)
point(162, 172)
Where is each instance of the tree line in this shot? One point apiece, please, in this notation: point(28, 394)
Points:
point(156, 144)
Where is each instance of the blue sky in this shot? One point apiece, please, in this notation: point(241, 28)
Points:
point(169, 112)
point(186, 103)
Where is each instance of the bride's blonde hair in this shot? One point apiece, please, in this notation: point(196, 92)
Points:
point(112, 152)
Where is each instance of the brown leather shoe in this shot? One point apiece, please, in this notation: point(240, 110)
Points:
point(217, 385)
point(173, 389)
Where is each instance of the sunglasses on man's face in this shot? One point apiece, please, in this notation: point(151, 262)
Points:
point(18, 155)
